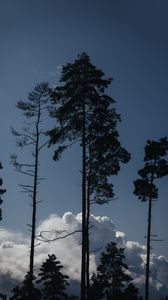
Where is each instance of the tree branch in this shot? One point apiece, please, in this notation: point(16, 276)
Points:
point(40, 237)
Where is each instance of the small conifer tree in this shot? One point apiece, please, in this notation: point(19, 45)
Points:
point(111, 278)
point(22, 293)
point(53, 283)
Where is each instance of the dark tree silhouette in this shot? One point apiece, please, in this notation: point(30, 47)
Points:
point(3, 297)
point(155, 167)
point(96, 288)
point(32, 136)
point(131, 293)
point(16, 291)
point(2, 191)
point(23, 293)
point(53, 282)
point(111, 278)
point(104, 156)
point(85, 114)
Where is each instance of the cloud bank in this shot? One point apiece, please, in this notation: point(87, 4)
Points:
point(14, 252)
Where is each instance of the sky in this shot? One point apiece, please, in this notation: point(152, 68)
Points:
point(128, 40)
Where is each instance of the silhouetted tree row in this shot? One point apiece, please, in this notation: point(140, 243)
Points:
point(51, 283)
point(84, 114)
point(110, 282)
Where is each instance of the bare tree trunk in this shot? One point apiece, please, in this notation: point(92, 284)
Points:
point(148, 250)
point(88, 247)
point(34, 205)
point(149, 239)
point(83, 262)
point(87, 224)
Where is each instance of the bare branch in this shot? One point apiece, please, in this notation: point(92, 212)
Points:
point(93, 251)
point(27, 165)
point(40, 237)
point(25, 173)
point(26, 185)
point(28, 136)
point(42, 145)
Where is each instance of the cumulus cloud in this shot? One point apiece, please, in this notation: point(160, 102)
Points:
point(15, 247)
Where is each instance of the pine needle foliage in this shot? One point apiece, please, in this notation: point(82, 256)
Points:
point(156, 167)
point(53, 282)
point(84, 113)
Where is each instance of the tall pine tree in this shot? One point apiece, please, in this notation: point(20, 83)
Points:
point(84, 113)
point(156, 166)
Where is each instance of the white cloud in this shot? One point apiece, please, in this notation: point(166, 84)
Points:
point(14, 251)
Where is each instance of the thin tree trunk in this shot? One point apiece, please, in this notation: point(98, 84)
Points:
point(87, 225)
point(34, 204)
point(148, 250)
point(149, 240)
point(83, 262)
point(88, 245)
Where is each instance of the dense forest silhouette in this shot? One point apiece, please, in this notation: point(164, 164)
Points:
point(85, 114)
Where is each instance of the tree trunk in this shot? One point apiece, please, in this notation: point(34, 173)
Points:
point(148, 250)
point(149, 238)
point(87, 224)
point(83, 262)
point(34, 204)
point(88, 242)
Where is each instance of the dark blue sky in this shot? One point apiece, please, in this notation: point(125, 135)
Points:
point(128, 40)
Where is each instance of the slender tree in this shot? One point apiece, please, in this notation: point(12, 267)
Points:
point(84, 113)
point(155, 167)
point(2, 191)
point(103, 160)
point(53, 282)
point(32, 136)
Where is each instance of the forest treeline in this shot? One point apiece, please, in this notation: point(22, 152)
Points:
point(85, 114)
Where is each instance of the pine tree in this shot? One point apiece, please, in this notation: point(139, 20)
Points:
point(32, 136)
point(155, 167)
point(16, 293)
point(103, 160)
point(85, 114)
point(111, 277)
point(2, 191)
point(23, 292)
point(53, 282)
